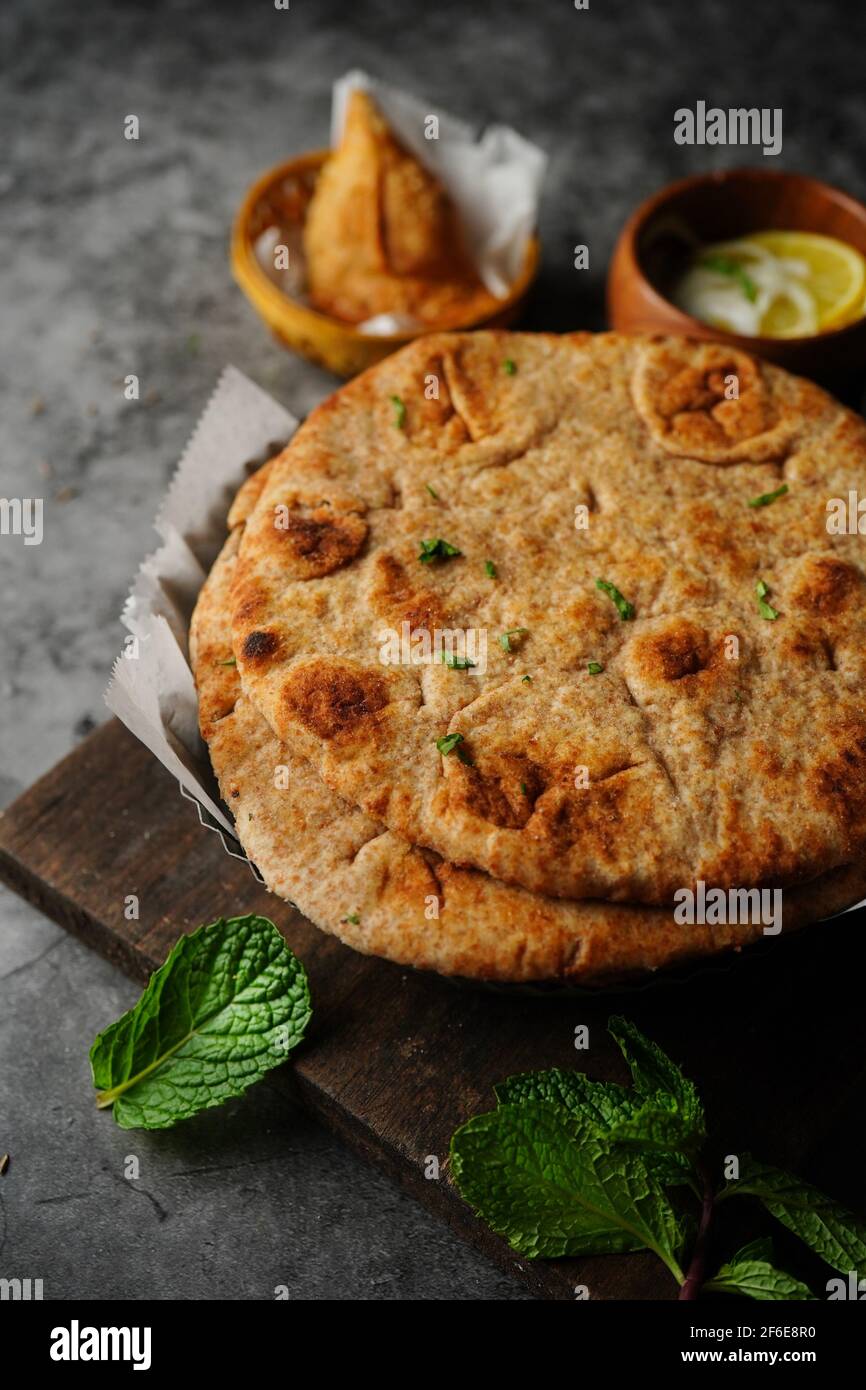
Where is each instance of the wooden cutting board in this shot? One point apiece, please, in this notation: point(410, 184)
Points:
point(395, 1060)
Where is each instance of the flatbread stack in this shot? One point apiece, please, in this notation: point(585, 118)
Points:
point(525, 636)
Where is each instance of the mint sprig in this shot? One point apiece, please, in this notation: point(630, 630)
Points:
point(230, 1003)
point(570, 1166)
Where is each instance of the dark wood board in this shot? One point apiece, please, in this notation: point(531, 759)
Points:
point(395, 1060)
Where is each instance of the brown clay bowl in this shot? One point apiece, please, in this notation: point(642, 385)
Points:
point(715, 207)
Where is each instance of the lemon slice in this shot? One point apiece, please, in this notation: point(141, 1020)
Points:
point(836, 279)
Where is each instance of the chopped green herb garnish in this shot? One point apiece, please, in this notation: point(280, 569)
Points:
point(726, 265)
point(490, 569)
point(509, 366)
point(432, 491)
point(451, 743)
point(526, 680)
point(595, 668)
point(523, 790)
point(457, 663)
point(505, 637)
point(353, 918)
point(623, 607)
point(232, 661)
point(437, 550)
point(399, 411)
point(767, 497)
point(765, 609)
point(447, 743)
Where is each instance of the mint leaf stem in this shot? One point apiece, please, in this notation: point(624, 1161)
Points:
point(695, 1273)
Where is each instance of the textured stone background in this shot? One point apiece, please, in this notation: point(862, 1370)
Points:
point(114, 260)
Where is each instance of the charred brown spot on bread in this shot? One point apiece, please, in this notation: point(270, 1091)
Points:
point(697, 401)
point(395, 598)
point(840, 784)
point(681, 650)
point(753, 854)
point(329, 699)
point(765, 761)
point(260, 646)
point(251, 601)
point(710, 403)
point(502, 790)
point(807, 648)
point(827, 585)
point(679, 654)
point(596, 817)
point(317, 542)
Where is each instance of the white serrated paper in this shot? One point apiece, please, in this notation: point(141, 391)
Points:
point(152, 688)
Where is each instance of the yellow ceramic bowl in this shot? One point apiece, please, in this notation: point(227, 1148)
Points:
point(280, 197)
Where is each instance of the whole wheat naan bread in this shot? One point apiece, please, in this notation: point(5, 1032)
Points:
point(676, 763)
point(378, 893)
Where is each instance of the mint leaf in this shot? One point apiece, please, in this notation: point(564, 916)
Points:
point(613, 1110)
point(230, 1002)
point(654, 1126)
point(828, 1228)
point(759, 1249)
point(654, 1072)
point(751, 1274)
point(552, 1185)
point(602, 1103)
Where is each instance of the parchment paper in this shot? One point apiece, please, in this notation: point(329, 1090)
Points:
point(152, 689)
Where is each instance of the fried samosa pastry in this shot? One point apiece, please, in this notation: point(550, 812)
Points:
point(383, 237)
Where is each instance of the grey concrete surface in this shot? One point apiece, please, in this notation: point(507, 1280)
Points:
point(115, 261)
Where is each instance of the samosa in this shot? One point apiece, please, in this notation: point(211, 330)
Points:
point(382, 236)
